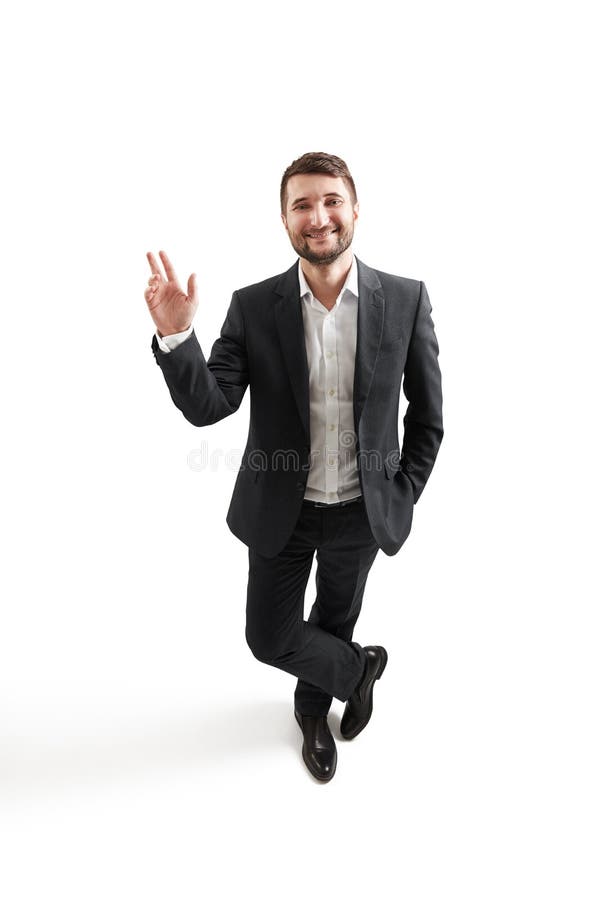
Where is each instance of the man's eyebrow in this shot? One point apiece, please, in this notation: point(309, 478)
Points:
point(329, 194)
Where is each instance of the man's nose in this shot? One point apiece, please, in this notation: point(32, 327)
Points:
point(320, 216)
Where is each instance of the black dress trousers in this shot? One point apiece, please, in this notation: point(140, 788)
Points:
point(318, 651)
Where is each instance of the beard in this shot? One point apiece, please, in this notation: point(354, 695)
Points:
point(342, 241)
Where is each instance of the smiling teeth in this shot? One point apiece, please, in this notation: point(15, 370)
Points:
point(322, 235)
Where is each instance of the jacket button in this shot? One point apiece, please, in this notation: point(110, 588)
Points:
point(409, 468)
point(300, 485)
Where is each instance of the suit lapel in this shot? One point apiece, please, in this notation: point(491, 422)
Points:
point(289, 323)
point(291, 331)
point(370, 321)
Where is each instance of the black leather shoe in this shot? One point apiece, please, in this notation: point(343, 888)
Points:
point(359, 705)
point(319, 747)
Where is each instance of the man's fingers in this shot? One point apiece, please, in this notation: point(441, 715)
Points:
point(154, 266)
point(168, 267)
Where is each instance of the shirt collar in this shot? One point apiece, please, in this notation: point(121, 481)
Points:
point(351, 284)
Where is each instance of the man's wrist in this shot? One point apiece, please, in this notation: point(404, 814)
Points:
point(174, 333)
point(168, 342)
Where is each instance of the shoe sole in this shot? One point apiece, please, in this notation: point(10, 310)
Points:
point(353, 734)
point(320, 778)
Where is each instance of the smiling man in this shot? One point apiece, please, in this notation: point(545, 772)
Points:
point(319, 221)
point(324, 348)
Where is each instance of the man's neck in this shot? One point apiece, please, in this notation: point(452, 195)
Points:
point(326, 281)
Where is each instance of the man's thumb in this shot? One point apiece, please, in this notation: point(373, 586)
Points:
point(192, 287)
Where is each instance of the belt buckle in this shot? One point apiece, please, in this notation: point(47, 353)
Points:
point(352, 500)
point(320, 505)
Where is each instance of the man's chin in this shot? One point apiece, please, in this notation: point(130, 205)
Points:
point(323, 258)
point(320, 260)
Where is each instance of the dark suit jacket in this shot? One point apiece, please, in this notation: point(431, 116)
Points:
point(262, 344)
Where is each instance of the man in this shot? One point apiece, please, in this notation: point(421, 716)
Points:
point(324, 347)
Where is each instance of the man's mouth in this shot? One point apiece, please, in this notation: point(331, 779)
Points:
point(317, 236)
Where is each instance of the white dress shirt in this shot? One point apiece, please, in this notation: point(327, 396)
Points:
point(330, 342)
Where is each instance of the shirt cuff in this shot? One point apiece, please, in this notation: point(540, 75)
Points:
point(169, 342)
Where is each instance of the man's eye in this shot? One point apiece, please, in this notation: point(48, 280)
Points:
point(335, 201)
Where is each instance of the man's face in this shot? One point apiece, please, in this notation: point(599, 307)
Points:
point(319, 217)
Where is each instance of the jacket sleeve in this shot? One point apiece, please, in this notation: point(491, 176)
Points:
point(206, 392)
point(422, 422)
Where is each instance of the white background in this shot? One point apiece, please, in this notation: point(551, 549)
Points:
point(144, 752)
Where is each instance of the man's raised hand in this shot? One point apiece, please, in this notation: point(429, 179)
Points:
point(172, 310)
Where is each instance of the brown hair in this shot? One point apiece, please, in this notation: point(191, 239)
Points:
point(323, 163)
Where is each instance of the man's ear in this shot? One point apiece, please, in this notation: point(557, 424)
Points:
point(356, 211)
point(283, 217)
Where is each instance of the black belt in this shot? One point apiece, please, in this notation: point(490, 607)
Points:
point(320, 505)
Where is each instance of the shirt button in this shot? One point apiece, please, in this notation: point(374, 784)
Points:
point(332, 427)
point(329, 354)
point(331, 392)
